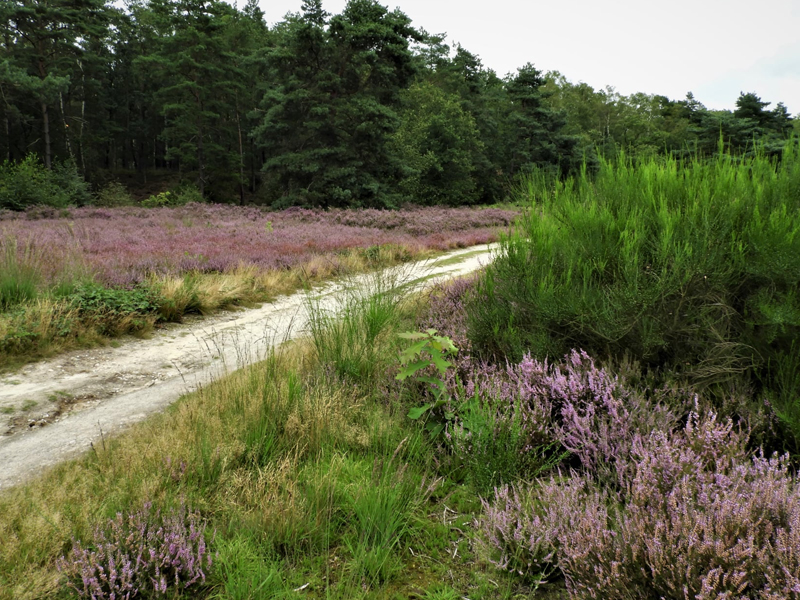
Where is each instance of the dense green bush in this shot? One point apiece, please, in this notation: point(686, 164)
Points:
point(115, 310)
point(691, 266)
point(28, 182)
point(114, 194)
point(177, 197)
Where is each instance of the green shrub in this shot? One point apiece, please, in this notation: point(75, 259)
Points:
point(178, 197)
point(691, 266)
point(493, 445)
point(159, 200)
point(28, 183)
point(187, 193)
point(65, 177)
point(115, 310)
point(114, 194)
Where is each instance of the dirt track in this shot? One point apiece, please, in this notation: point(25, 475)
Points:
point(55, 409)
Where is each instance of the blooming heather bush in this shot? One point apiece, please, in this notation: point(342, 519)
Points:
point(143, 554)
point(124, 245)
point(697, 519)
point(573, 403)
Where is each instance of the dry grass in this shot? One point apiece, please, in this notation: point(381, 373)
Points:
point(46, 326)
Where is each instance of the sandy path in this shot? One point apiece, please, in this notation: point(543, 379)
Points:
point(54, 409)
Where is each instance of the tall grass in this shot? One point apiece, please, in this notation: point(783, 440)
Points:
point(692, 266)
point(349, 332)
point(20, 279)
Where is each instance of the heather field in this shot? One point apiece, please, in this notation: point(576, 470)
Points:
point(124, 246)
point(75, 277)
point(609, 410)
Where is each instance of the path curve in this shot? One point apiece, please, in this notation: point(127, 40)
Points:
point(54, 409)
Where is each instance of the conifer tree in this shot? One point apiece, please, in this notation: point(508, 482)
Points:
point(541, 141)
point(43, 42)
point(331, 104)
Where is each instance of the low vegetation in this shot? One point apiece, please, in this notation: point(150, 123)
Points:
point(76, 279)
point(303, 471)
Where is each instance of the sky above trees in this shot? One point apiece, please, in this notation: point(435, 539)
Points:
point(713, 48)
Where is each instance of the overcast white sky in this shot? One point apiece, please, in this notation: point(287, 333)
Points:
point(714, 48)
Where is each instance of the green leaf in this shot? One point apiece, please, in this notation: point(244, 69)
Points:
point(434, 429)
point(417, 412)
point(412, 351)
point(412, 368)
point(412, 335)
point(441, 364)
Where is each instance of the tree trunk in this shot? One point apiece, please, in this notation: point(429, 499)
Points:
point(7, 122)
point(83, 121)
point(241, 156)
point(66, 126)
point(48, 162)
point(200, 154)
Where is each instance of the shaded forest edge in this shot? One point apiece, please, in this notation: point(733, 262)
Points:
point(166, 101)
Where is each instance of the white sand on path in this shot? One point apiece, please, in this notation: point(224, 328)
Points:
point(55, 409)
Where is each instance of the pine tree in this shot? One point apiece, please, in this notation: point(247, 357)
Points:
point(200, 82)
point(43, 44)
point(331, 104)
point(541, 141)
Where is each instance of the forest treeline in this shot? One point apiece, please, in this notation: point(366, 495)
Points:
point(361, 108)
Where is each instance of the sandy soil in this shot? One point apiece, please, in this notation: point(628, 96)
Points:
point(54, 409)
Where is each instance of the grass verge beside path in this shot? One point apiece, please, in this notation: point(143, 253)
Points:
point(90, 314)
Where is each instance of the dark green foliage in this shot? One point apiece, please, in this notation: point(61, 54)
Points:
point(113, 194)
point(108, 308)
point(200, 82)
point(483, 96)
point(494, 447)
point(437, 142)
point(689, 266)
point(539, 130)
point(330, 105)
point(44, 44)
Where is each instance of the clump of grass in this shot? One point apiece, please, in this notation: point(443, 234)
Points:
point(383, 509)
point(20, 278)
point(347, 334)
point(40, 328)
point(246, 572)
